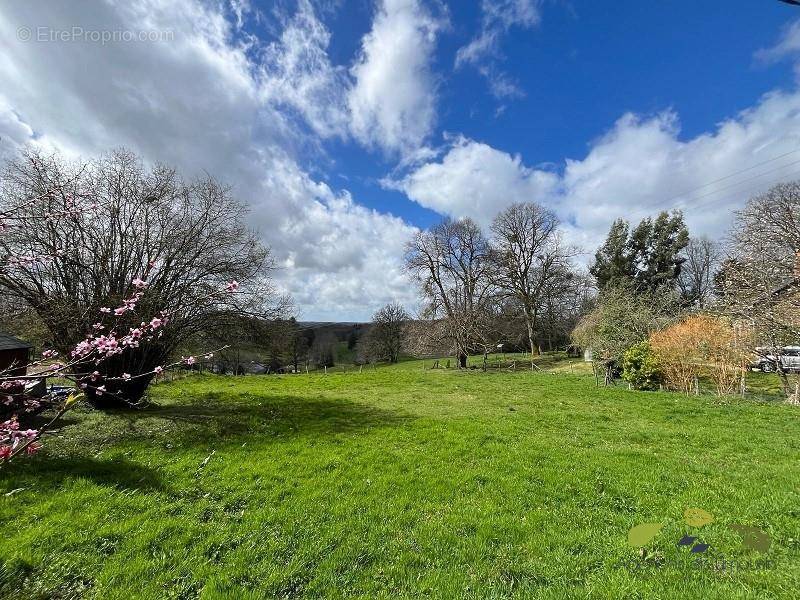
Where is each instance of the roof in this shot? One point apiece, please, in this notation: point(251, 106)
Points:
point(9, 342)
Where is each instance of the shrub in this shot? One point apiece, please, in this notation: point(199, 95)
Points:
point(701, 345)
point(640, 367)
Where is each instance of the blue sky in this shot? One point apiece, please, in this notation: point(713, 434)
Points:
point(347, 125)
point(578, 70)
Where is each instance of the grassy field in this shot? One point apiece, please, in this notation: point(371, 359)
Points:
point(404, 482)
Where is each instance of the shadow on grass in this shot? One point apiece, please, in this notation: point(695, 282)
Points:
point(219, 416)
point(51, 471)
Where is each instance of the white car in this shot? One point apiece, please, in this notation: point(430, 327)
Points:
point(789, 357)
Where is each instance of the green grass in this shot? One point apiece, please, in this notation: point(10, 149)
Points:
point(403, 482)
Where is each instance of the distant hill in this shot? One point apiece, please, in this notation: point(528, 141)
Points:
point(340, 329)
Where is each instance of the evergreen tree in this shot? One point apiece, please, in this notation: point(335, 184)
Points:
point(614, 262)
point(649, 257)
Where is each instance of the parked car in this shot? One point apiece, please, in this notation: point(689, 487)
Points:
point(789, 357)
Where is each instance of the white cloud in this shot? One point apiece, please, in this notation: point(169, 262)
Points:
point(641, 166)
point(393, 100)
point(298, 74)
point(787, 45)
point(201, 102)
point(483, 51)
point(476, 180)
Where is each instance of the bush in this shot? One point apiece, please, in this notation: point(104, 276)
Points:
point(640, 367)
point(702, 345)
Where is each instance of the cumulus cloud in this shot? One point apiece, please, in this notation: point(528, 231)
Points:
point(641, 166)
point(393, 100)
point(202, 101)
point(483, 51)
point(473, 179)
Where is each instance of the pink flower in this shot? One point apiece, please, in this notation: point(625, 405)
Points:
point(156, 323)
point(191, 360)
point(105, 310)
point(33, 448)
point(126, 376)
point(83, 348)
point(232, 286)
point(101, 390)
point(139, 283)
point(158, 370)
point(95, 375)
point(49, 354)
point(107, 344)
point(121, 310)
point(98, 327)
point(5, 452)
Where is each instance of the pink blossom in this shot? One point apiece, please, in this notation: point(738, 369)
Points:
point(158, 370)
point(95, 375)
point(100, 390)
point(190, 360)
point(5, 452)
point(98, 327)
point(126, 376)
point(232, 286)
point(33, 448)
point(107, 344)
point(105, 310)
point(139, 283)
point(82, 348)
point(156, 323)
point(49, 354)
point(121, 310)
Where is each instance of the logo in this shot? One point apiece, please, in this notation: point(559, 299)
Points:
point(752, 538)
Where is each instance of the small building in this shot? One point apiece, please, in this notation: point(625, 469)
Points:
point(14, 354)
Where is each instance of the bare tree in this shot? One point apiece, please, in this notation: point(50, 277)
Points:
point(451, 261)
point(529, 259)
point(384, 340)
point(186, 239)
point(760, 282)
point(702, 260)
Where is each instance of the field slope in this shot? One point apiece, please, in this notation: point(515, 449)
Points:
point(402, 482)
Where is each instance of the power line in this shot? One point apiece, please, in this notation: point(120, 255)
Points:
point(738, 183)
point(783, 178)
point(734, 174)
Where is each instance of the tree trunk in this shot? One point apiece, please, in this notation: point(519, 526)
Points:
point(529, 324)
point(462, 360)
point(609, 373)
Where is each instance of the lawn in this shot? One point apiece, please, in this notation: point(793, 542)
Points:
point(405, 482)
